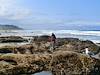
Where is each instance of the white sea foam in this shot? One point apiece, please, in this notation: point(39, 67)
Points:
point(87, 35)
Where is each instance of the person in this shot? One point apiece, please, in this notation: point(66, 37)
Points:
point(52, 42)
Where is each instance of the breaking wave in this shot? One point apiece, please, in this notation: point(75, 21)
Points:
point(85, 35)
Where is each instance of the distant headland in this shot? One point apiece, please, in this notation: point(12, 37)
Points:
point(9, 27)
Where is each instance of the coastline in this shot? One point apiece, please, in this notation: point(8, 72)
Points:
point(27, 46)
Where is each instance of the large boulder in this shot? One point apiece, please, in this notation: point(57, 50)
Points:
point(58, 63)
point(72, 63)
point(23, 64)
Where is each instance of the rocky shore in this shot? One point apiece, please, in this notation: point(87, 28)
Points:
point(9, 39)
point(67, 58)
point(58, 62)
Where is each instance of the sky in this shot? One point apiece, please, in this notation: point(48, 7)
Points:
point(51, 14)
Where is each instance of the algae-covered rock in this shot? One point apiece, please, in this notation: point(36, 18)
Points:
point(41, 44)
point(67, 58)
point(58, 63)
point(74, 44)
point(36, 47)
point(23, 63)
point(71, 63)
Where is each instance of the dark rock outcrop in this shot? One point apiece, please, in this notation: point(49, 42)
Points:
point(8, 39)
point(6, 49)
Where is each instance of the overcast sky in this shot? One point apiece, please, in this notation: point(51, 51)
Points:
point(50, 14)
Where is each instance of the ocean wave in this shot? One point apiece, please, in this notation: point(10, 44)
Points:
point(87, 35)
point(48, 32)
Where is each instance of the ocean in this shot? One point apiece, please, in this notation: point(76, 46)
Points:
point(82, 35)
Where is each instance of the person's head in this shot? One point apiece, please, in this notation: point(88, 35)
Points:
point(53, 34)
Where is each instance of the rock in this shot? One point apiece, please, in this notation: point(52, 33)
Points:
point(58, 62)
point(43, 38)
point(41, 44)
point(72, 63)
point(65, 44)
point(24, 49)
point(67, 57)
point(8, 39)
point(25, 63)
point(36, 47)
point(74, 44)
point(7, 49)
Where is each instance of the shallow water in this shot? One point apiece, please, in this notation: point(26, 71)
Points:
point(43, 73)
point(40, 73)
